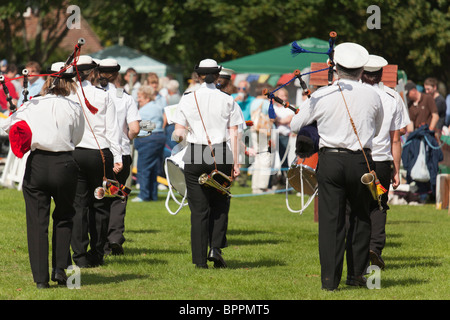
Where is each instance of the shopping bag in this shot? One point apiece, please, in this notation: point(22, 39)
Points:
point(419, 171)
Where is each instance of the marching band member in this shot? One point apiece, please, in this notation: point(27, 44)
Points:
point(128, 118)
point(51, 126)
point(99, 156)
point(342, 162)
point(386, 152)
point(208, 113)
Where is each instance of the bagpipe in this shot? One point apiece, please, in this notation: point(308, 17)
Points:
point(110, 187)
point(12, 106)
point(301, 174)
point(308, 138)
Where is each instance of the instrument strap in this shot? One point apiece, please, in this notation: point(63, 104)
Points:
point(354, 127)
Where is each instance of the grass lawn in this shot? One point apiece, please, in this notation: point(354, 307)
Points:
point(272, 255)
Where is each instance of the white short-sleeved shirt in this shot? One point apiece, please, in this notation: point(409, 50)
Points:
point(56, 122)
point(327, 107)
point(127, 112)
point(103, 123)
point(393, 120)
point(218, 110)
point(400, 104)
point(283, 112)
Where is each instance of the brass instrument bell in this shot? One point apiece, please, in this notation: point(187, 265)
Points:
point(218, 180)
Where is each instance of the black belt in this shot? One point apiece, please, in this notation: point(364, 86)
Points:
point(343, 150)
point(50, 153)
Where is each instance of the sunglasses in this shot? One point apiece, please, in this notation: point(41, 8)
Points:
point(243, 88)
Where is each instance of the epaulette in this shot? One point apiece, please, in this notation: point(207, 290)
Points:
point(187, 93)
point(101, 88)
point(119, 92)
point(390, 94)
point(225, 92)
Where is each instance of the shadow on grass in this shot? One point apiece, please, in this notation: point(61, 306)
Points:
point(246, 232)
point(239, 264)
point(95, 279)
point(412, 262)
point(386, 283)
point(407, 222)
point(250, 242)
point(405, 282)
point(142, 231)
point(237, 237)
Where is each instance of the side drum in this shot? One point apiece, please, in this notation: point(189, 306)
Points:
point(303, 171)
point(174, 167)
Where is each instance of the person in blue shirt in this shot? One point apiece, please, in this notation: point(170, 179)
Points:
point(243, 98)
point(151, 148)
point(35, 83)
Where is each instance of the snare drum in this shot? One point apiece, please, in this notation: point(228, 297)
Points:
point(304, 170)
point(174, 167)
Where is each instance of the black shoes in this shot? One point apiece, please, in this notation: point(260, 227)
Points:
point(116, 249)
point(59, 276)
point(215, 254)
point(42, 285)
point(375, 259)
point(357, 281)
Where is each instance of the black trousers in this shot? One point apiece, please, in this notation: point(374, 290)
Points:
point(209, 207)
point(383, 170)
point(49, 175)
point(116, 226)
point(90, 224)
point(339, 181)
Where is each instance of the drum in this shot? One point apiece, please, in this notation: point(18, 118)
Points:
point(303, 170)
point(174, 167)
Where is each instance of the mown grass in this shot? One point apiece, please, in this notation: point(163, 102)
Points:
point(272, 255)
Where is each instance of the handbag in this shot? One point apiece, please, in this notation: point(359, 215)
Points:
point(419, 171)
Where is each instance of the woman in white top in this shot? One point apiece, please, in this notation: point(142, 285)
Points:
point(55, 125)
point(207, 118)
point(99, 156)
point(128, 118)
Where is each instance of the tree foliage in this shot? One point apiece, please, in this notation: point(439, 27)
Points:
point(414, 34)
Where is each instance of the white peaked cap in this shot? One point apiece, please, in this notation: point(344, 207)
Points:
point(208, 63)
point(226, 73)
point(351, 55)
point(58, 66)
point(207, 66)
point(82, 60)
point(375, 63)
point(108, 63)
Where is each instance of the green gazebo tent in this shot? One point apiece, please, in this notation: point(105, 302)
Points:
point(131, 58)
point(128, 57)
point(279, 60)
